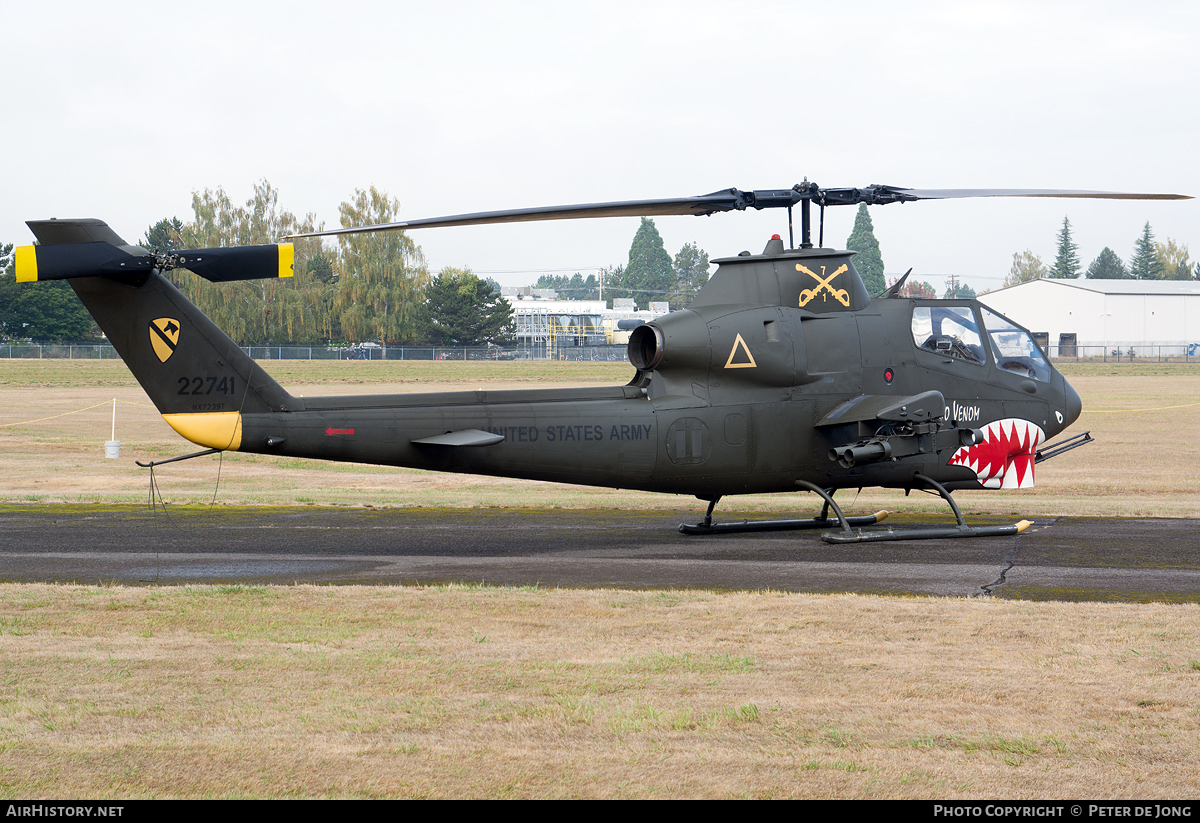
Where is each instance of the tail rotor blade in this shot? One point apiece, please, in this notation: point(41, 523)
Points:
point(228, 263)
point(101, 258)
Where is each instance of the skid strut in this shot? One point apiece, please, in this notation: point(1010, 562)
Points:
point(821, 521)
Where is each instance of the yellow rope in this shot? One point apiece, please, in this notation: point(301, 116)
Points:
point(77, 411)
point(1130, 411)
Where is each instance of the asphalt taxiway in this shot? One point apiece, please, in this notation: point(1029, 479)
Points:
point(1061, 559)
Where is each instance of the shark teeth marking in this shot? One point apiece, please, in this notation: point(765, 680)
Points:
point(1004, 460)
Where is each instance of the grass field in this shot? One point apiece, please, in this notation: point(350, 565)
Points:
point(310, 691)
point(244, 691)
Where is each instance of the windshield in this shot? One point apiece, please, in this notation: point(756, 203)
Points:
point(948, 330)
point(1014, 349)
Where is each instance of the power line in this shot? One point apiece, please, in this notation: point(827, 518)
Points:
point(537, 271)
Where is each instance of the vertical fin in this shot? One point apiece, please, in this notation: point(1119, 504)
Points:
point(193, 372)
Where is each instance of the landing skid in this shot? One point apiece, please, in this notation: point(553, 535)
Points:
point(777, 525)
point(846, 534)
point(821, 521)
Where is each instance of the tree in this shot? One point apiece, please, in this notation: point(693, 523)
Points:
point(164, 236)
point(256, 311)
point(1107, 266)
point(1026, 266)
point(1066, 265)
point(465, 311)
point(380, 294)
point(320, 268)
point(1145, 263)
point(649, 275)
point(915, 288)
point(1176, 265)
point(570, 288)
point(961, 291)
point(691, 273)
point(47, 312)
point(869, 261)
point(611, 276)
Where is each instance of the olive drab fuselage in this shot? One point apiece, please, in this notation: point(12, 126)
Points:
point(782, 370)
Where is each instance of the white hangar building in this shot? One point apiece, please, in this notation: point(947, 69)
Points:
point(1087, 317)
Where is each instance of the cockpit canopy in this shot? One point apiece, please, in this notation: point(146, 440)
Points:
point(955, 331)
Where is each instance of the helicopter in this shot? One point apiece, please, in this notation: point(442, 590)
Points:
point(783, 374)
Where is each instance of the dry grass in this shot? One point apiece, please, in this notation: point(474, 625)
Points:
point(470, 692)
point(1140, 466)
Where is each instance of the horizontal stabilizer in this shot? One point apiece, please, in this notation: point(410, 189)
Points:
point(464, 437)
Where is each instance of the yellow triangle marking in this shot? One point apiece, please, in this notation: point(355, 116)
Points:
point(739, 342)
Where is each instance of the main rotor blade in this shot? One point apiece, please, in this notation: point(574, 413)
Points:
point(945, 194)
point(724, 200)
point(727, 200)
point(881, 195)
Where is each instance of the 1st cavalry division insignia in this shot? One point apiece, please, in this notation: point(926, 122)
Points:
point(164, 337)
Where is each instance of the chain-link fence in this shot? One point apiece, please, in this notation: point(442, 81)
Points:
point(1107, 353)
point(90, 351)
point(1126, 353)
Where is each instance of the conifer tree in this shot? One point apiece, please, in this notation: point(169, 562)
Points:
point(1107, 266)
point(467, 311)
point(691, 273)
point(164, 236)
point(868, 261)
point(649, 275)
point(1145, 263)
point(1067, 263)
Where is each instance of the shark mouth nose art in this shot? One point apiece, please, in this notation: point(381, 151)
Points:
point(1004, 460)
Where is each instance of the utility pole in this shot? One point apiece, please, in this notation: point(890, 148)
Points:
point(952, 284)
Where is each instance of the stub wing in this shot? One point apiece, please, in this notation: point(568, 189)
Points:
point(465, 437)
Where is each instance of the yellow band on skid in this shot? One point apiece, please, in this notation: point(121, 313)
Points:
point(26, 264)
point(216, 430)
point(287, 260)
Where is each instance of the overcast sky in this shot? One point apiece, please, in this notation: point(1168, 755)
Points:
point(121, 110)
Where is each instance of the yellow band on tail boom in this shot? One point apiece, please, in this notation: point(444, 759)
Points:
point(27, 264)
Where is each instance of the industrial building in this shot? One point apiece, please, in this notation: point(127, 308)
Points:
point(1105, 318)
point(546, 324)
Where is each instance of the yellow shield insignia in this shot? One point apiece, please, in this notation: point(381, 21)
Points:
point(164, 337)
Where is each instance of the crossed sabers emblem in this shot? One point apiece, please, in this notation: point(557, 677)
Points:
point(807, 295)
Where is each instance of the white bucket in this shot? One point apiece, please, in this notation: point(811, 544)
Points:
point(112, 448)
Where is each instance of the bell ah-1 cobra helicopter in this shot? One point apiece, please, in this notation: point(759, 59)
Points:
point(782, 374)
